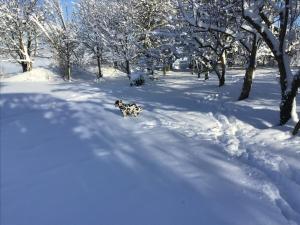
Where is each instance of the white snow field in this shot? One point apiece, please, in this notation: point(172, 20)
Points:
point(194, 156)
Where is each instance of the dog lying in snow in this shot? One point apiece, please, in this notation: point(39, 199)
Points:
point(131, 109)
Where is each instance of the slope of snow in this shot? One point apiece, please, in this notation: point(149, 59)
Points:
point(9, 68)
point(36, 75)
point(194, 156)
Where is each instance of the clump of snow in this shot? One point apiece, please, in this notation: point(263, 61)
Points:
point(136, 75)
point(137, 78)
point(229, 135)
point(36, 75)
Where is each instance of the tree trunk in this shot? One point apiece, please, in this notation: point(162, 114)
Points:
point(100, 75)
point(288, 98)
point(116, 65)
point(206, 75)
point(199, 70)
point(221, 81)
point(223, 67)
point(26, 66)
point(25, 58)
point(164, 70)
point(199, 74)
point(249, 71)
point(68, 67)
point(128, 70)
point(68, 55)
point(168, 67)
point(68, 70)
point(296, 129)
point(193, 67)
point(99, 59)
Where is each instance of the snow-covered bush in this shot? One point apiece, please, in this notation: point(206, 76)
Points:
point(137, 79)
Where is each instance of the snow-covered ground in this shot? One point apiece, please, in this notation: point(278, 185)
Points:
point(194, 156)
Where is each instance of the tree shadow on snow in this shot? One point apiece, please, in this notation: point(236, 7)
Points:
point(193, 97)
point(79, 163)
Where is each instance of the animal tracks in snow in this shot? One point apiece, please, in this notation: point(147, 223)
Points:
point(282, 185)
point(241, 141)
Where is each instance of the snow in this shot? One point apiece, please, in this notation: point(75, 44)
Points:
point(195, 155)
point(10, 68)
point(36, 75)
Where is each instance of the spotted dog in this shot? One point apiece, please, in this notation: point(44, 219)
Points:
point(131, 109)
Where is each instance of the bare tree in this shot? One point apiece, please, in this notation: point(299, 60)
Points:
point(274, 21)
point(18, 33)
point(122, 32)
point(152, 20)
point(251, 42)
point(91, 21)
point(60, 33)
point(211, 28)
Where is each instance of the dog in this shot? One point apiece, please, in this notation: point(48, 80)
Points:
point(131, 109)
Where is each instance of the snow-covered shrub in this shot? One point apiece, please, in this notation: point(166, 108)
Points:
point(137, 79)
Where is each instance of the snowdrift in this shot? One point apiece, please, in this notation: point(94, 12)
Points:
point(36, 75)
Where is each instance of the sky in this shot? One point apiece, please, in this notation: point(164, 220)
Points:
point(68, 5)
